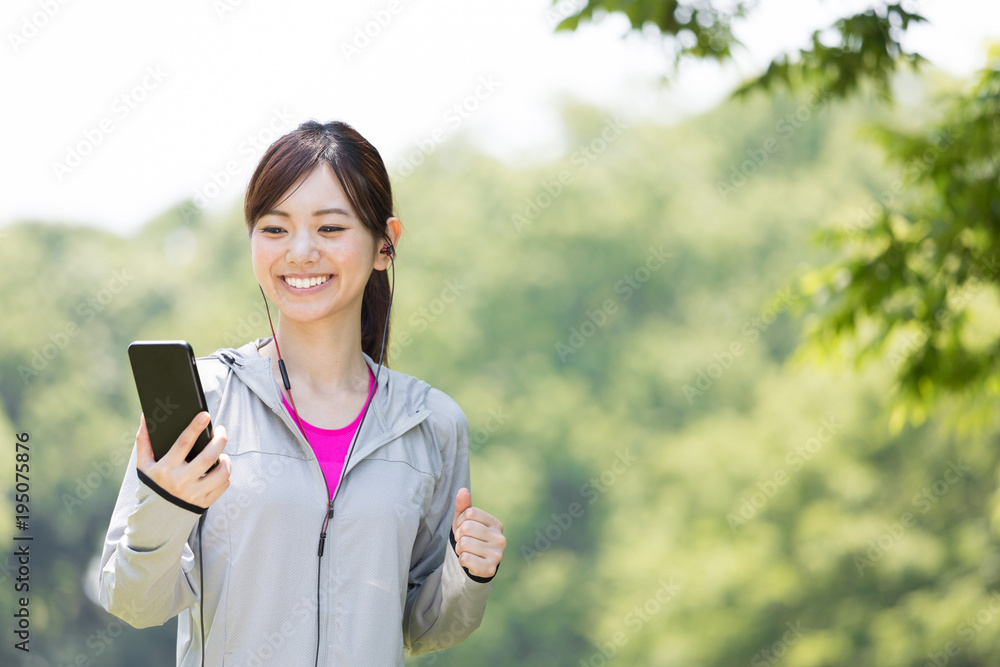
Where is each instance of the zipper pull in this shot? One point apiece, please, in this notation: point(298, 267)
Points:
point(322, 535)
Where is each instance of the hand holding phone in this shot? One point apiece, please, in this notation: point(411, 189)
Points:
point(198, 481)
point(170, 392)
point(175, 443)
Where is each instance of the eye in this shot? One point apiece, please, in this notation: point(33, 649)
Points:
point(271, 229)
point(331, 228)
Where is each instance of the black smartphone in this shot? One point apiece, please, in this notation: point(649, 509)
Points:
point(170, 393)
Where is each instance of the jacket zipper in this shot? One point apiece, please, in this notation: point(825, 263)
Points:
point(289, 423)
point(322, 534)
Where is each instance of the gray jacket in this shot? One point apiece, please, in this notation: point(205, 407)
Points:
point(389, 578)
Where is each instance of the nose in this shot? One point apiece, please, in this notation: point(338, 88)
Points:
point(302, 248)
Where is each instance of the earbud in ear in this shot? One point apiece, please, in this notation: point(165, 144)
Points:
point(387, 249)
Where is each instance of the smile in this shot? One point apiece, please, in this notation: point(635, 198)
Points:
point(305, 283)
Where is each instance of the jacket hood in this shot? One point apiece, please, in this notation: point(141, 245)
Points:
point(400, 401)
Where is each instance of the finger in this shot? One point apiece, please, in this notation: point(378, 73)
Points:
point(491, 546)
point(213, 450)
point(143, 447)
point(475, 530)
point(220, 473)
point(478, 515)
point(217, 480)
point(185, 441)
point(212, 496)
point(477, 565)
point(463, 501)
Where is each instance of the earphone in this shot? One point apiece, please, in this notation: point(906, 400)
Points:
point(387, 249)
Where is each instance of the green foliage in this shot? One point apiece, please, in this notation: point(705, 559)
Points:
point(702, 29)
point(857, 50)
point(917, 279)
point(918, 284)
point(865, 48)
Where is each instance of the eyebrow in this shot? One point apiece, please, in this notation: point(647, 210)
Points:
point(323, 211)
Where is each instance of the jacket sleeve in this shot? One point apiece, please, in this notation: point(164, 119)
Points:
point(146, 567)
point(444, 604)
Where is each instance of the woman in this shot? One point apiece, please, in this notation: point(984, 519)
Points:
point(338, 527)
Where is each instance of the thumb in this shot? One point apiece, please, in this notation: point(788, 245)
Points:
point(463, 501)
point(144, 449)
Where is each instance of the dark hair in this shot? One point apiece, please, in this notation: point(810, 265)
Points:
point(363, 176)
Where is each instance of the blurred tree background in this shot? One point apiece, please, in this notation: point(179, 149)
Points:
point(634, 342)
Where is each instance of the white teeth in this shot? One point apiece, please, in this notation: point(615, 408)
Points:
point(303, 283)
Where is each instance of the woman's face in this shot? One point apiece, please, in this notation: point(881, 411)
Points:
point(311, 253)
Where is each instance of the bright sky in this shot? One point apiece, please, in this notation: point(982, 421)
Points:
point(117, 110)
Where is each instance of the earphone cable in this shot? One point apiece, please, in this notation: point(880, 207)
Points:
point(347, 458)
point(329, 514)
point(284, 376)
point(201, 588)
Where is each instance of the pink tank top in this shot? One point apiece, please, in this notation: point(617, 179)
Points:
point(331, 444)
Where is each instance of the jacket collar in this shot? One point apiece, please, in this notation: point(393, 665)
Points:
point(398, 405)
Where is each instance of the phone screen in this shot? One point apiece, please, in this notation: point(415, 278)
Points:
point(170, 392)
